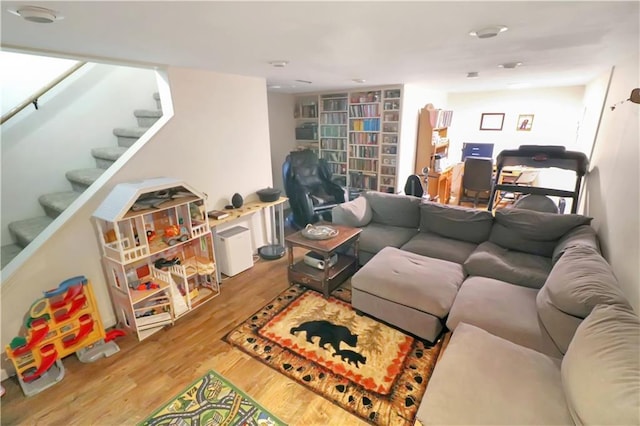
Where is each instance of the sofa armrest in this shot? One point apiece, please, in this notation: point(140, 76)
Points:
point(583, 235)
point(356, 213)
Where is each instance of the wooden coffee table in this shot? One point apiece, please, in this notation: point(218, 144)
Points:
point(327, 279)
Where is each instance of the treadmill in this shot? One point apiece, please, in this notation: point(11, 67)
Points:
point(540, 156)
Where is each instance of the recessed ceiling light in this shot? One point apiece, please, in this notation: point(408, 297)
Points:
point(279, 63)
point(359, 80)
point(488, 32)
point(510, 65)
point(273, 86)
point(518, 85)
point(36, 14)
point(473, 74)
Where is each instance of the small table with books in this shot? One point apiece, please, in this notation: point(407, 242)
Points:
point(329, 277)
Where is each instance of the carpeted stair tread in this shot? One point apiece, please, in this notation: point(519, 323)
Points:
point(156, 113)
point(8, 253)
point(56, 202)
point(81, 179)
point(27, 230)
point(111, 153)
point(130, 132)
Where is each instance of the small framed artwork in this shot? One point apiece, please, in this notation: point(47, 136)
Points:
point(491, 121)
point(525, 121)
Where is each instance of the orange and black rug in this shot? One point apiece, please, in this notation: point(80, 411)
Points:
point(358, 363)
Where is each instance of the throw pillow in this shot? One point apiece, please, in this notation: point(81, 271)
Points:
point(355, 213)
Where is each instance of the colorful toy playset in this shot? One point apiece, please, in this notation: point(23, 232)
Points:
point(64, 321)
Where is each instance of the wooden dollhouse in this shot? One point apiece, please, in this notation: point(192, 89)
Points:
point(157, 252)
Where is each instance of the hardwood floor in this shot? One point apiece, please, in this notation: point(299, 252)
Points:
point(128, 386)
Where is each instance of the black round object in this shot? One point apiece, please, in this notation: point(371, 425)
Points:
point(271, 252)
point(268, 195)
point(237, 200)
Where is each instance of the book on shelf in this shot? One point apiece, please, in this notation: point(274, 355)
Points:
point(218, 214)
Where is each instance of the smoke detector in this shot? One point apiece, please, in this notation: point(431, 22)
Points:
point(473, 74)
point(488, 32)
point(36, 14)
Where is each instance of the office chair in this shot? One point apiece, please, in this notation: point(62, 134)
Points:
point(308, 185)
point(477, 178)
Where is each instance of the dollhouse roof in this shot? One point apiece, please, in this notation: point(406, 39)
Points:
point(124, 195)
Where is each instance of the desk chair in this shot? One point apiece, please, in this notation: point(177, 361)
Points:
point(477, 178)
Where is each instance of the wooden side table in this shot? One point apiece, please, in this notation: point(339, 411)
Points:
point(327, 279)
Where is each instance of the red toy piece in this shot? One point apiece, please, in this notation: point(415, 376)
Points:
point(39, 329)
point(112, 334)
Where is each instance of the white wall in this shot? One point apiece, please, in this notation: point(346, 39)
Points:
point(22, 75)
point(612, 184)
point(557, 111)
point(79, 114)
point(282, 133)
point(218, 141)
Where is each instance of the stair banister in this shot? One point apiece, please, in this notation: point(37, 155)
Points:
point(33, 99)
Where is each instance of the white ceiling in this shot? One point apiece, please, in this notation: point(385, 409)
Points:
point(331, 43)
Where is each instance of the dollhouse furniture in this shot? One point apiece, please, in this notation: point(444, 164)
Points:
point(157, 252)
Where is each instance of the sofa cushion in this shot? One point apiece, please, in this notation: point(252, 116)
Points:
point(532, 232)
point(601, 370)
point(581, 280)
point(459, 223)
point(503, 309)
point(560, 325)
point(355, 213)
point(433, 245)
point(394, 209)
point(583, 235)
point(426, 284)
point(484, 379)
point(374, 237)
point(492, 261)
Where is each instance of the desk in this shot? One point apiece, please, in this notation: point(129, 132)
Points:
point(249, 209)
point(440, 184)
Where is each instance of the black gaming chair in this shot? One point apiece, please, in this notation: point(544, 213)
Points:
point(308, 185)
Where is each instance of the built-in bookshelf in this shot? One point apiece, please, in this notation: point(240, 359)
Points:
point(389, 144)
point(306, 115)
point(334, 119)
point(358, 135)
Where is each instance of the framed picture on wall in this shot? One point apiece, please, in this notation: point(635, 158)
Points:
point(525, 121)
point(491, 121)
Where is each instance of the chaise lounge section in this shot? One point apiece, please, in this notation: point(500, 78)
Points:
point(527, 290)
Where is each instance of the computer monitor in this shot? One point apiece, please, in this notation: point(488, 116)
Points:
point(477, 149)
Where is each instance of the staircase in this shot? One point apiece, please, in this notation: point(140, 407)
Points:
point(25, 231)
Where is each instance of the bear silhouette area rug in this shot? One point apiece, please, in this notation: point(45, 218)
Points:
point(366, 367)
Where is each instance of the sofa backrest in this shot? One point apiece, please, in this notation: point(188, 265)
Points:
point(532, 232)
point(601, 370)
point(394, 209)
point(459, 223)
point(579, 281)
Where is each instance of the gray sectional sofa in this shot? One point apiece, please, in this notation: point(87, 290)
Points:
point(542, 333)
